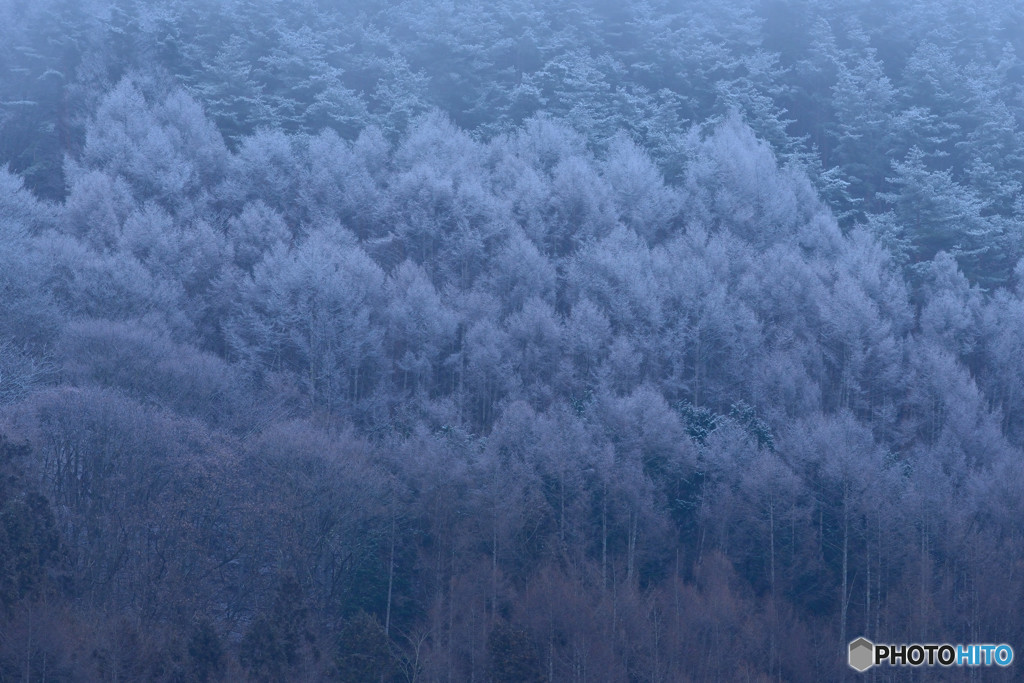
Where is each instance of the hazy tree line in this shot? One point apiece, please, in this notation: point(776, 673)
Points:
point(507, 342)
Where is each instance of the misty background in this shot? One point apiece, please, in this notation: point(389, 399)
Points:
point(508, 341)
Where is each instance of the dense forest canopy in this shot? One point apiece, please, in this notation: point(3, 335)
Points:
point(507, 341)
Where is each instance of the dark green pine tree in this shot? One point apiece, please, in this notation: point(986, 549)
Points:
point(364, 651)
point(513, 656)
point(29, 542)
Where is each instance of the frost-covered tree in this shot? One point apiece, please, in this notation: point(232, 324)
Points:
point(313, 311)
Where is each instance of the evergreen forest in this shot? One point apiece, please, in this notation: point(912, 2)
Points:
point(509, 341)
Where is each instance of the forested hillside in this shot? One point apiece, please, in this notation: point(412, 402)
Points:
point(508, 341)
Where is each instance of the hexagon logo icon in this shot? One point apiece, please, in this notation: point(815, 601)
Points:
point(862, 654)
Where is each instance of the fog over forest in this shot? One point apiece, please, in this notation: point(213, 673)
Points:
point(509, 340)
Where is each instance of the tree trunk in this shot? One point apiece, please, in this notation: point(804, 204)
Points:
point(846, 538)
point(391, 580)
